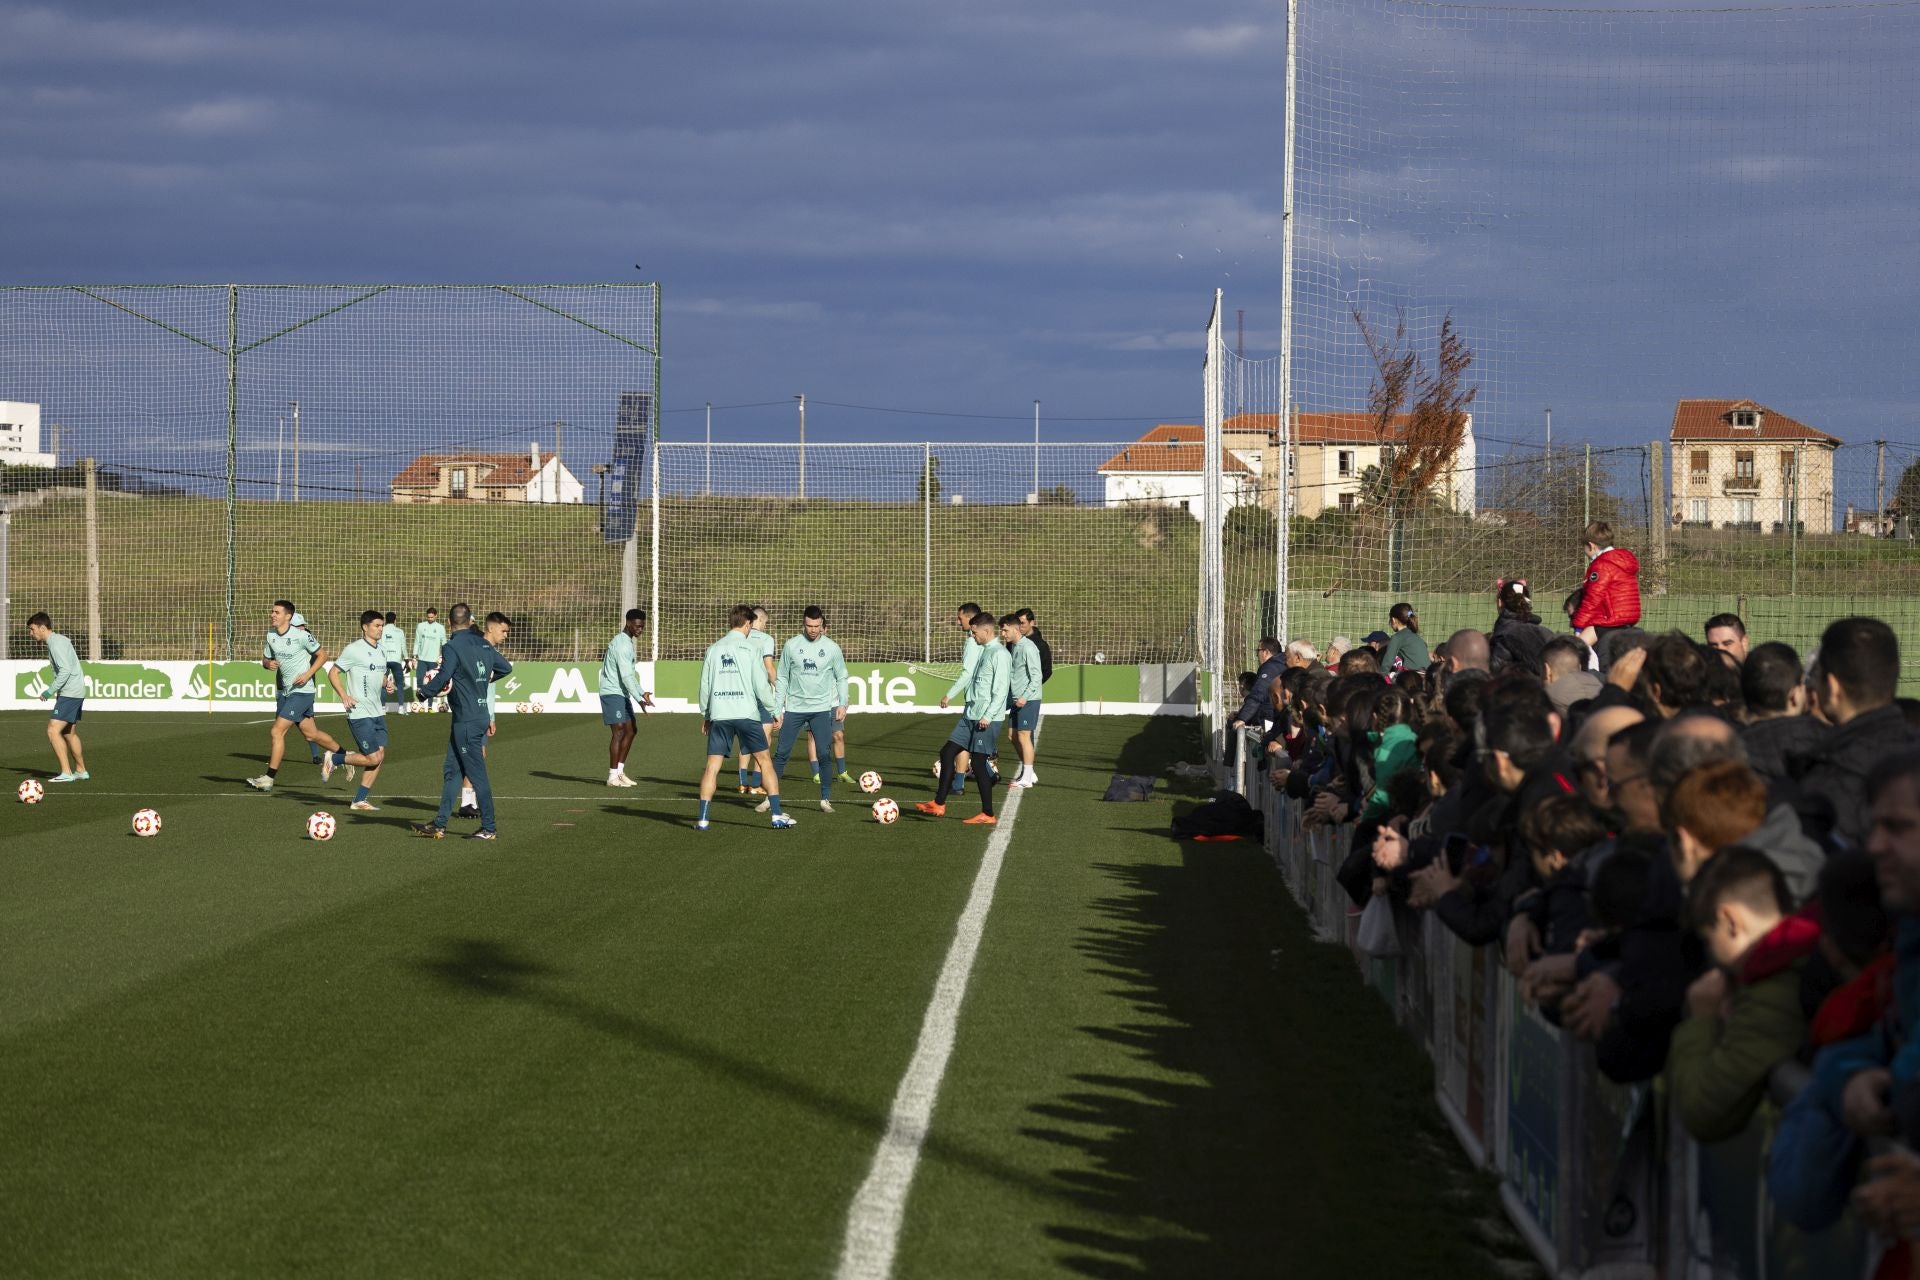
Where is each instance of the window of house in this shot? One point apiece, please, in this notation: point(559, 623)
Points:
point(457, 482)
point(1786, 465)
point(1344, 462)
point(1745, 418)
point(1743, 510)
point(1743, 465)
point(1787, 513)
point(1697, 511)
point(1699, 464)
point(1346, 502)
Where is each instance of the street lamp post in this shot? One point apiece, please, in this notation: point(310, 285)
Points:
point(803, 444)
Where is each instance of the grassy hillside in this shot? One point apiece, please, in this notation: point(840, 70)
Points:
point(1118, 582)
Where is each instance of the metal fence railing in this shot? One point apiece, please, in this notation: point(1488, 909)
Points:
point(1589, 1174)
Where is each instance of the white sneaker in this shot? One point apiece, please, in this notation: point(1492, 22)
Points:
point(261, 783)
point(763, 806)
point(613, 780)
point(625, 781)
point(326, 766)
point(362, 806)
point(826, 806)
point(781, 821)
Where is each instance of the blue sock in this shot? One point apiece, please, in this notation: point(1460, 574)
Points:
point(339, 758)
point(775, 802)
point(743, 777)
point(361, 795)
point(756, 782)
point(703, 809)
point(959, 782)
point(839, 764)
point(314, 751)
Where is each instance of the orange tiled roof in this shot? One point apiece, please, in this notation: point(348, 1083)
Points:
point(1713, 420)
point(501, 470)
point(1169, 447)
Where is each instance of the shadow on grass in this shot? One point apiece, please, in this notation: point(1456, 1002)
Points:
point(1278, 1124)
point(488, 969)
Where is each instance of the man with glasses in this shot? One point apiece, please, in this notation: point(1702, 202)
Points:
point(1590, 751)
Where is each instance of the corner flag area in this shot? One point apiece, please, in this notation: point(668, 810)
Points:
point(610, 1045)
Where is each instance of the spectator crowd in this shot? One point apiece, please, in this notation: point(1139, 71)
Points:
point(1699, 857)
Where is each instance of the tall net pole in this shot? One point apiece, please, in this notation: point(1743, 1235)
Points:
point(1283, 418)
point(1212, 619)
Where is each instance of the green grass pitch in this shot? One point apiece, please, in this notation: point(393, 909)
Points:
point(609, 1045)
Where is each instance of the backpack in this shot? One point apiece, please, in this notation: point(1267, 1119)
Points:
point(1226, 815)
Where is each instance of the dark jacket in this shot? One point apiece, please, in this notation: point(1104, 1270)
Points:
point(1653, 963)
point(1517, 642)
point(1254, 710)
point(1833, 776)
point(1771, 744)
point(1046, 654)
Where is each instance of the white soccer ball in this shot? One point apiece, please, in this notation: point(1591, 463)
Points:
point(146, 823)
point(869, 782)
point(320, 826)
point(31, 791)
point(885, 811)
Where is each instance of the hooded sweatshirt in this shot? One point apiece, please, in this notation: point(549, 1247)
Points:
point(1799, 858)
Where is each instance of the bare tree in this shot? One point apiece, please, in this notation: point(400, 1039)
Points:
point(1432, 403)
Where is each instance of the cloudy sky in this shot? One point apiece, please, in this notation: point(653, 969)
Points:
point(962, 207)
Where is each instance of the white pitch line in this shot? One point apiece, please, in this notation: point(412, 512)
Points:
point(879, 1207)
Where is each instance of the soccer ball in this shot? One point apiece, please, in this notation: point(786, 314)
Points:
point(146, 823)
point(869, 782)
point(885, 811)
point(320, 826)
point(31, 791)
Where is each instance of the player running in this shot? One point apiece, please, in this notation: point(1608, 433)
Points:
point(735, 702)
point(979, 724)
point(68, 689)
point(362, 677)
point(809, 692)
point(1023, 696)
point(620, 694)
point(293, 655)
point(429, 637)
point(469, 664)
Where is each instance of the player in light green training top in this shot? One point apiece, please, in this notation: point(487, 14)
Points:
point(429, 637)
point(361, 678)
point(736, 702)
point(294, 657)
point(969, 658)
point(979, 724)
point(809, 692)
point(68, 689)
point(620, 693)
point(1023, 697)
point(393, 647)
point(762, 640)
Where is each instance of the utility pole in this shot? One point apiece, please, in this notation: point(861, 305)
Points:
point(1549, 437)
point(296, 450)
point(707, 489)
point(559, 435)
point(279, 450)
point(93, 558)
point(803, 444)
point(1879, 488)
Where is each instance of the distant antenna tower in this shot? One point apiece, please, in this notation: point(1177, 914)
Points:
point(1240, 344)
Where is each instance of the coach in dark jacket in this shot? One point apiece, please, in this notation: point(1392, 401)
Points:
point(1027, 628)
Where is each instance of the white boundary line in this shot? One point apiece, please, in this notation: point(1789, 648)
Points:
point(879, 1207)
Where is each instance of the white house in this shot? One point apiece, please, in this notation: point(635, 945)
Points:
point(1164, 468)
point(1332, 452)
point(532, 476)
point(20, 436)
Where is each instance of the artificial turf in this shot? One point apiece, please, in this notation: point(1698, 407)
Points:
point(609, 1045)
